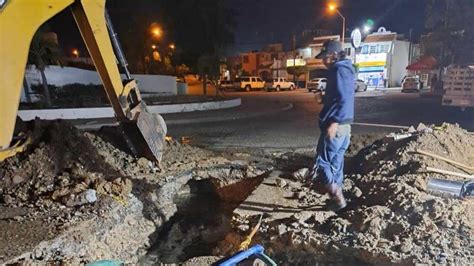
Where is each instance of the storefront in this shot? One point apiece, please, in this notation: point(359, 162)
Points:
point(372, 69)
point(382, 59)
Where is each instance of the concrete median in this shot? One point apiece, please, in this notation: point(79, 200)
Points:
point(107, 112)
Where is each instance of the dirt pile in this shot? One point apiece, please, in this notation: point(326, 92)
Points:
point(63, 165)
point(67, 162)
point(69, 179)
point(391, 218)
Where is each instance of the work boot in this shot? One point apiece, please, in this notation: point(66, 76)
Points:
point(318, 186)
point(314, 183)
point(338, 202)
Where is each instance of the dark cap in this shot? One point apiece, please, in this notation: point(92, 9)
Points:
point(329, 47)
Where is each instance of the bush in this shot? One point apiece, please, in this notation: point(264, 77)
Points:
point(75, 95)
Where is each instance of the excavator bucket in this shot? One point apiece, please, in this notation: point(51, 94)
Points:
point(145, 134)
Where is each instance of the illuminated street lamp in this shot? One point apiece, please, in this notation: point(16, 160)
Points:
point(367, 28)
point(332, 7)
point(75, 52)
point(156, 31)
point(153, 47)
point(172, 46)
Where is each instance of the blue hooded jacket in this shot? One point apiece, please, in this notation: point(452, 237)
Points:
point(339, 98)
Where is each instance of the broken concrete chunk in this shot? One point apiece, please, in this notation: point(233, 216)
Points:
point(447, 223)
point(357, 192)
point(282, 229)
point(280, 182)
point(18, 179)
point(301, 174)
point(406, 247)
point(299, 195)
point(422, 128)
point(244, 227)
point(86, 197)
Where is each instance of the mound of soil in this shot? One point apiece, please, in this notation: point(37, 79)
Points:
point(45, 191)
point(391, 218)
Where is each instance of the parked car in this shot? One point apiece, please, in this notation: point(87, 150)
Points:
point(360, 85)
point(411, 83)
point(317, 85)
point(249, 83)
point(224, 85)
point(278, 84)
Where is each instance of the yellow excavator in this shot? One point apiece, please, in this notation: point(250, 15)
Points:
point(20, 19)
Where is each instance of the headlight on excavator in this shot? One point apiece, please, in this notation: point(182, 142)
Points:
point(3, 3)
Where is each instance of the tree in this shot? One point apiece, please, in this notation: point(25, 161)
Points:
point(43, 52)
point(182, 70)
point(199, 28)
point(451, 35)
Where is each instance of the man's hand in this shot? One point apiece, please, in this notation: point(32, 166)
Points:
point(332, 130)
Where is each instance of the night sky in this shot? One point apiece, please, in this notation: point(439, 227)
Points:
point(269, 21)
point(266, 21)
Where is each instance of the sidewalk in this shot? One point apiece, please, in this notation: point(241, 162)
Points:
point(379, 92)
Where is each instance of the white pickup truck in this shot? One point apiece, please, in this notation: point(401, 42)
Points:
point(249, 83)
point(278, 84)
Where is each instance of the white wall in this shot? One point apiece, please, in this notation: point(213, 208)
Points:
point(399, 62)
point(157, 84)
point(60, 76)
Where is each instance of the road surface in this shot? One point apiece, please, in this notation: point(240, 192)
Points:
point(297, 128)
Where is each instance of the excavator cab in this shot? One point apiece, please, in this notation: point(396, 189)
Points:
point(19, 20)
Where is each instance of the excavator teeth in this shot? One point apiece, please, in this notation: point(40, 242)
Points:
point(145, 134)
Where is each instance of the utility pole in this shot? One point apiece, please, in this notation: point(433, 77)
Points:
point(294, 58)
point(410, 49)
point(333, 7)
point(343, 26)
point(445, 26)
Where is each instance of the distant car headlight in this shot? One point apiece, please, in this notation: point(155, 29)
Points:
point(3, 3)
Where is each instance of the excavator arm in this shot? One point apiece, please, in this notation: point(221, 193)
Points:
point(19, 20)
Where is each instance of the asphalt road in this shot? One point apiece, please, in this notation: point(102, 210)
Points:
point(297, 128)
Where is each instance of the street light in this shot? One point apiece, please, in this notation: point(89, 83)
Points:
point(172, 46)
point(75, 52)
point(156, 31)
point(367, 28)
point(332, 7)
point(153, 47)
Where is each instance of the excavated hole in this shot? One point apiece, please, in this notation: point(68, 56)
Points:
point(202, 219)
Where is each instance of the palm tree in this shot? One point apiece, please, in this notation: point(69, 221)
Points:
point(43, 52)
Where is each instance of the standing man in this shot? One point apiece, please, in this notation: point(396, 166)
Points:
point(335, 123)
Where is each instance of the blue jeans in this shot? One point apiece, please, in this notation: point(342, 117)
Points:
point(329, 164)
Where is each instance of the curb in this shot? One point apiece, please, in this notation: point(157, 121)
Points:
point(107, 112)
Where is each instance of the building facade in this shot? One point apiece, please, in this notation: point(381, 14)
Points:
point(267, 63)
point(383, 59)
